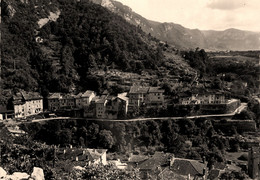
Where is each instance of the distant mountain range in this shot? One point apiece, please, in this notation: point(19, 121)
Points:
point(181, 37)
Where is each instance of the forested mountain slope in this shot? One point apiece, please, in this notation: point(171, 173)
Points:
point(55, 45)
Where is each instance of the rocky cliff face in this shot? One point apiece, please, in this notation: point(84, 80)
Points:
point(182, 37)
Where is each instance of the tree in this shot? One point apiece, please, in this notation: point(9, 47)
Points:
point(65, 137)
point(245, 115)
point(103, 172)
point(106, 139)
point(92, 135)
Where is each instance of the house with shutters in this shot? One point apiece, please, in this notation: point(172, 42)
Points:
point(202, 97)
point(155, 97)
point(54, 101)
point(27, 104)
point(86, 98)
point(117, 106)
point(149, 97)
point(101, 108)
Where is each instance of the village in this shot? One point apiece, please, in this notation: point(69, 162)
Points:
point(124, 105)
point(162, 165)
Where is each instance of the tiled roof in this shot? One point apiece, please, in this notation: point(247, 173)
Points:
point(31, 95)
point(137, 158)
point(95, 99)
point(22, 96)
point(158, 159)
point(105, 92)
point(138, 89)
point(168, 174)
point(187, 166)
point(68, 96)
point(124, 98)
point(54, 96)
point(90, 154)
point(78, 95)
point(87, 93)
point(155, 90)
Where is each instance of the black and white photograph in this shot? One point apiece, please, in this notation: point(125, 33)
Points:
point(130, 90)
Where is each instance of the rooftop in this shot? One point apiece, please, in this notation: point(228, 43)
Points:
point(22, 96)
point(54, 96)
point(137, 158)
point(31, 95)
point(82, 153)
point(158, 159)
point(88, 93)
point(138, 89)
point(123, 96)
point(187, 166)
point(168, 174)
point(155, 90)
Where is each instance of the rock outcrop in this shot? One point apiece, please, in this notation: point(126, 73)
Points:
point(2, 173)
point(17, 176)
point(37, 174)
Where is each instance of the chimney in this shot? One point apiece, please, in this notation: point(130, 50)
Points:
point(171, 160)
point(204, 160)
point(188, 178)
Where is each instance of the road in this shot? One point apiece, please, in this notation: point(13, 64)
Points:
point(237, 111)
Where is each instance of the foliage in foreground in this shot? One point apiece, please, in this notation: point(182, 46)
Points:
point(103, 172)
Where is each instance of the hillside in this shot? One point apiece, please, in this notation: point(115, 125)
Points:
point(53, 46)
point(181, 37)
point(232, 39)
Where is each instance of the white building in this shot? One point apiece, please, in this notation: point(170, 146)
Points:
point(27, 103)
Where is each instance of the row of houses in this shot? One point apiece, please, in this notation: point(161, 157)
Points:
point(203, 97)
point(59, 101)
point(108, 106)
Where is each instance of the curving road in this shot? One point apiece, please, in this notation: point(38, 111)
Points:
point(237, 111)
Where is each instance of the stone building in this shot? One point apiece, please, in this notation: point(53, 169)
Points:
point(27, 104)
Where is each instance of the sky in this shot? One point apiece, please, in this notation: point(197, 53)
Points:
point(201, 14)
